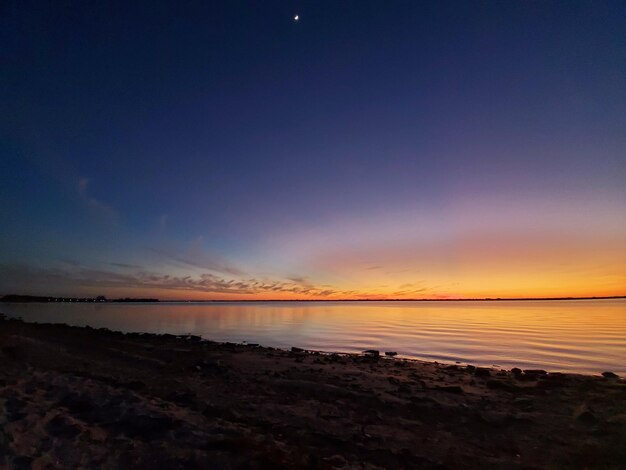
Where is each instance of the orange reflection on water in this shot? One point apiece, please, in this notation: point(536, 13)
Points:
point(579, 336)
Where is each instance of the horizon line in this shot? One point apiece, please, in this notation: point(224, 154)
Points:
point(475, 299)
point(494, 299)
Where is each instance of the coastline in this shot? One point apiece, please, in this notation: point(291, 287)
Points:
point(76, 396)
point(11, 298)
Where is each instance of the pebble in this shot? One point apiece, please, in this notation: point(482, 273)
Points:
point(585, 415)
point(372, 353)
point(610, 375)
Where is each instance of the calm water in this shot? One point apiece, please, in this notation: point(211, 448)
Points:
point(578, 336)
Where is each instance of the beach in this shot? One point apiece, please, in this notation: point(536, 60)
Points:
point(77, 397)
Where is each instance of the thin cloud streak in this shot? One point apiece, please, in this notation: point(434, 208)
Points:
point(126, 266)
point(194, 255)
point(66, 277)
point(198, 259)
point(97, 207)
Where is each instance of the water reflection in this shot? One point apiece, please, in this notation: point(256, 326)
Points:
point(578, 336)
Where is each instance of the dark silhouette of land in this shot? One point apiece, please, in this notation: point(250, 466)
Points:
point(77, 397)
point(32, 298)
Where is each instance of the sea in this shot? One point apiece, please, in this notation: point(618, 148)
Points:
point(582, 336)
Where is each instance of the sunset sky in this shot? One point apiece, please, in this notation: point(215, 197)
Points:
point(372, 149)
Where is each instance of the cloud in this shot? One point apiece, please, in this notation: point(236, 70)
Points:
point(196, 256)
point(98, 208)
point(82, 185)
point(126, 266)
point(19, 277)
point(299, 280)
point(411, 289)
point(408, 292)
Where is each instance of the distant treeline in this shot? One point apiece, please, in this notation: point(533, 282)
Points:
point(101, 298)
point(36, 298)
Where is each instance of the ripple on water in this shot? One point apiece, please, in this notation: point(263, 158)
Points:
point(575, 336)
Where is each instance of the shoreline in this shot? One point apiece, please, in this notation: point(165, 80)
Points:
point(69, 299)
point(322, 352)
point(441, 357)
point(80, 396)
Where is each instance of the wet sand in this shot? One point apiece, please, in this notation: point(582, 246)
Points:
point(83, 398)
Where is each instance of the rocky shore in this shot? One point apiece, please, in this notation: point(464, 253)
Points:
point(83, 398)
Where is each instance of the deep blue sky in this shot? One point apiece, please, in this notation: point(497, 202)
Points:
point(183, 148)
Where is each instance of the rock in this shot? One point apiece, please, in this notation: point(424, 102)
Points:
point(497, 419)
point(424, 409)
point(77, 404)
point(220, 442)
point(14, 404)
point(525, 404)
point(214, 411)
point(22, 461)
point(450, 388)
point(60, 427)
point(14, 407)
point(501, 385)
point(181, 397)
point(619, 386)
point(143, 426)
point(585, 415)
point(610, 375)
point(516, 371)
point(336, 461)
point(371, 353)
point(553, 380)
point(482, 372)
point(527, 377)
point(535, 372)
point(5, 439)
point(136, 385)
point(391, 353)
point(557, 377)
point(214, 367)
point(617, 419)
point(10, 351)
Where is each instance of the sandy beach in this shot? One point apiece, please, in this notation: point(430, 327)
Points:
point(83, 398)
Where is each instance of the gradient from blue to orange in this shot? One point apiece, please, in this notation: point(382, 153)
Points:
point(220, 150)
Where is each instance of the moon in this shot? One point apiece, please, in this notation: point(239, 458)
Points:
point(296, 18)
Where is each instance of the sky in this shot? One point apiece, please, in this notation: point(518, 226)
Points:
point(369, 150)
